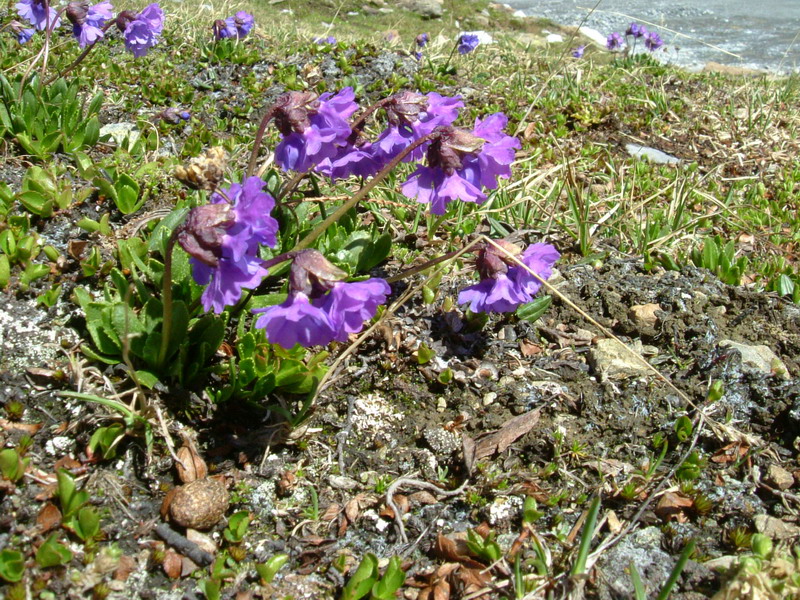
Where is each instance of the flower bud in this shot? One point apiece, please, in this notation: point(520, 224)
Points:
point(491, 262)
point(219, 26)
point(123, 18)
point(203, 232)
point(204, 172)
point(452, 144)
point(405, 107)
point(76, 12)
point(293, 109)
point(312, 274)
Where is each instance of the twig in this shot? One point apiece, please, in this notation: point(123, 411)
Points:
point(419, 483)
point(185, 546)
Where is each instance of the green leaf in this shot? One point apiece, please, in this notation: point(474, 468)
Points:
point(425, 354)
point(37, 204)
point(361, 582)
point(269, 569)
point(5, 271)
point(52, 554)
point(12, 564)
point(533, 310)
point(12, 465)
point(147, 378)
point(392, 580)
point(87, 524)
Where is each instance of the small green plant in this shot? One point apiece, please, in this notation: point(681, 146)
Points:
point(12, 465)
point(237, 526)
point(87, 526)
point(106, 440)
point(683, 428)
point(485, 548)
point(269, 569)
point(691, 468)
point(530, 510)
point(311, 512)
point(52, 554)
point(12, 565)
point(719, 258)
point(70, 498)
point(366, 580)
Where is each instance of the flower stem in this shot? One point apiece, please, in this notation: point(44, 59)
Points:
point(362, 193)
point(251, 166)
point(426, 265)
point(166, 300)
point(81, 57)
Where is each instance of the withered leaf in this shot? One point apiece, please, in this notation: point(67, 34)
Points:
point(191, 466)
point(730, 453)
point(126, 566)
point(673, 505)
point(402, 505)
point(166, 502)
point(49, 517)
point(172, 564)
point(26, 428)
point(454, 551)
point(498, 441)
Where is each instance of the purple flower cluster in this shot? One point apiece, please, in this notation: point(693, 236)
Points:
point(653, 41)
point(24, 34)
point(504, 284)
point(467, 42)
point(320, 306)
point(223, 239)
point(324, 40)
point(236, 27)
point(636, 30)
point(578, 52)
point(141, 31)
point(38, 14)
point(87, 21)
point(313, 128)
point(421, 41)
point(614, 41)
point(461, 163)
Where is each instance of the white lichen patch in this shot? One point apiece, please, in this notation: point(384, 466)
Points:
point(504, 509)
point(373, 414)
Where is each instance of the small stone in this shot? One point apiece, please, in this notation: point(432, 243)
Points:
point(441, 404)
point(554, 38)
point(653, 155)
point(758, 359)
point(779, 477)
point(644, 315)
point(199, 504)
point(119, 132)
point(442, 441)
point(614, 362)
point(342, 483)
point(489, 398)
point(59, 445)
point(428, 9)
point(775, 528)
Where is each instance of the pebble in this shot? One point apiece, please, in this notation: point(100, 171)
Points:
point(489, 398)
point(651, 154)
point(199, 504)
point(758, 359)
point(779, 477)
point(644, 315)
point(775, 528)
point(614, 362)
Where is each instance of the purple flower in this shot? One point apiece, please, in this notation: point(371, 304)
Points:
point(313, 128)
point(38, 14)
point(141, 31)
point(467, 43)
point(320, 307)
point(296, 321)
point(422, 40)
point(185, 115)
point(349, 305)
point(653, 41)
point(504, 285)
point(418, 56)
point(223, 239)
point(324, 40)
point(636, 30)
point(578, 52)
point(87, 21)
point(237, 26)
point(24, 34)
point(462, 163)
point(614, 41)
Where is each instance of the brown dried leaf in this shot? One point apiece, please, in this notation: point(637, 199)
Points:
point(730, 453)
point(203, 541)
point(331, 512)
point(126, 566)
point(468, 447)
point(402, 505)
point(423, 498)
point(172, 564)
point(529, 349)
point(454, 551)
point(49, 517)
point(473, 580)
point(497, 441)
point(166, 502)
point(673, 505)
point(26, 428)
point(68, 463)
point(193, 467)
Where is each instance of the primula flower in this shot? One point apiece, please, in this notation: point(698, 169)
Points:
point(24, 34)
point(578, 52)
point(141, 31)
point(614, 41)
point(320, 307)
point(324, 40)
point(504, 285)
point(237, 26)
point(87, 21)
point(462, 163)
point(223, 239)
point(313, 128)
point(38, 14)
point(422, 40)
point(467, 43)
point(653, 41)
point(636, 30)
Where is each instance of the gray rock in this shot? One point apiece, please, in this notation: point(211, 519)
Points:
point(643, 549)
point(779, 477)
point(430, 9)
point(612, 361)
point(651, 154)
point(118, 132)
point(775, 528)
point(758, 359)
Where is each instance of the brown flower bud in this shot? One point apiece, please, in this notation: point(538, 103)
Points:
point(491, 262)
point(76, 12)
point(204, 172)
point(404, 108)
point(293, 109)
point(202, 233)
point(313, 274)
point(452, 144)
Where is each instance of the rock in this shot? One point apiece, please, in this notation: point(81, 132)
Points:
point(715, 67)
point(774, 528)
point(199, 504)
point(554, 38)
point(594, 35)
point(644, 315)
point(643, 549)
point(340, 482)
point(651, 154)
point(758, 359)
point(429, 9)
point(118, 132)
point(612, 361)
point(779, 477)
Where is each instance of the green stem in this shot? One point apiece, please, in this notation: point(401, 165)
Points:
point(362, 193)
point(166, 300)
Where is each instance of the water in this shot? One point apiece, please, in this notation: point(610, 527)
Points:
point(760, 34)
